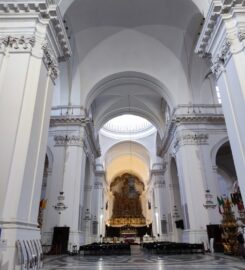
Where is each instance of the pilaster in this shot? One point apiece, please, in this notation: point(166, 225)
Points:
point(222, 41)
point(32, 40)
point(192, 180)
point(161, 206)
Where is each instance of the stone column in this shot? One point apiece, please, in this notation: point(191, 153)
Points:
point(31, 41)
point(223, 41)
point(192, 183)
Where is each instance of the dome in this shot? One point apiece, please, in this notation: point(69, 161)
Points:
point(128, 126)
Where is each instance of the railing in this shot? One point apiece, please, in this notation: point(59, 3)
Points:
point(75, 110)
point(198, 109)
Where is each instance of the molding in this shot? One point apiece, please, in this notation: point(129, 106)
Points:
point(26, 43)
point(190, 139)
point(20, 43)
point(218, 9)
point(50, 61)
point(46, 12)
point(18, 224)
point(68, 140)
point(190, 115)
point(68, 120)
point(221, 58)
point(75, 116)
point(222, 34)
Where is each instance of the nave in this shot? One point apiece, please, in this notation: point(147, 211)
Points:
point(141, 261)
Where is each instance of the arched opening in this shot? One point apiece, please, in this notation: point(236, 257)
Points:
point(226, 170)
point(128, 150)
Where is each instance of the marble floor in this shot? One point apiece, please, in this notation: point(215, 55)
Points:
point(143, 261)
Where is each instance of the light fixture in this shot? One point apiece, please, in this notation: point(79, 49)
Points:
point(209, 203)
point(60, 206)
point(175, 213)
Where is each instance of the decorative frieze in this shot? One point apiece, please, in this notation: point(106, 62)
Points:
point(190, 139)
point(41, 10)
point(25, 43)
point(241, 35)
point(220, 37)
point(50, 61)
point(221, 58)
point(68, 120)
point(68, 140)
point(190, 115)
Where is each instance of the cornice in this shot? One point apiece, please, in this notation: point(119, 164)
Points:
point(190, 118)
point(212, 21)
point(46, 12)
point(26, 43)
point(68, 140)
point(67, 118)
point(70, 120)
point(190, 139)
point(219, 41)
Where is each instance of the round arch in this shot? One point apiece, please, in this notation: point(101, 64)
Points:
point(50, 158)
point(137, 149)
point(127, 163)
point(202, 5)
point(127, 78)
point(216, 148)
point(136, 111)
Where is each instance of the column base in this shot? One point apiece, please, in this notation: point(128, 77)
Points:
point(75, 239)
point(195, 237)
point(11, 232)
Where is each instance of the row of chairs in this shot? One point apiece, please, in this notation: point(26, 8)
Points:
point(106, 249)
point(168, 248)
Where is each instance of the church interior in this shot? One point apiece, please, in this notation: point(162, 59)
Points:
point(122, 134)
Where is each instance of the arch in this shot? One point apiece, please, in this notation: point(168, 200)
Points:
point(50, 158)
point(122, 172)
point(125, 78)
point(202, 5)
point(142, 106)
point(216, 148)
point(139, 151)
point(131, 56)
point(135, 111)
point(130, 164)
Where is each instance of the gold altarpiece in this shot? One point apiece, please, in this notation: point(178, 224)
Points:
point(127, 209)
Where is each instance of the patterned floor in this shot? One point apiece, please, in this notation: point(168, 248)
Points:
point(142, 261)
